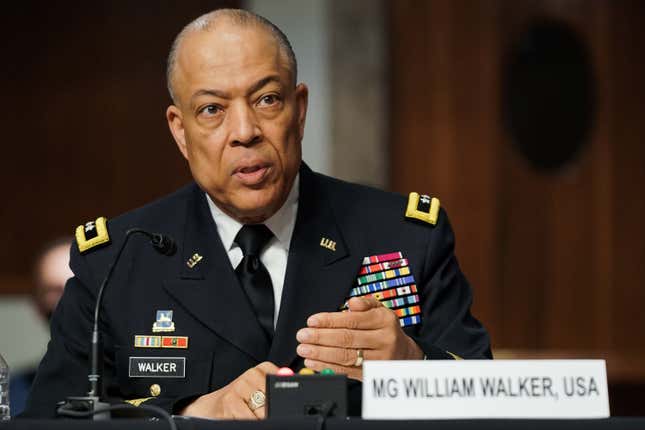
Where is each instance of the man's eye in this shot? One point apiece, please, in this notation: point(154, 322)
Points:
point(269, 100)
point(210, 110)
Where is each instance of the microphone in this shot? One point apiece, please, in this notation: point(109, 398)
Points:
point(165, 245)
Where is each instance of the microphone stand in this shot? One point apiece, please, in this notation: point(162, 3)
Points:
point(91, 403)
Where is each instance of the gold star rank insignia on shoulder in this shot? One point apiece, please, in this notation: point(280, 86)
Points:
point(92, 234)
point(423, 207)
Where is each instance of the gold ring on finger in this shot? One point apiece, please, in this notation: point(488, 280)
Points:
point(257, 400)
point(359, 358)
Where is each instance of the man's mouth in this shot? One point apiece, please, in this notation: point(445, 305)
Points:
point(252, 174)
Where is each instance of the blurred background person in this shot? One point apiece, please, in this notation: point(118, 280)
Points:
point(51, 271)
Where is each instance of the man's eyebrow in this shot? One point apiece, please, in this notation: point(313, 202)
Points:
point(215, 93)
point(224, 95)
point(262, 82)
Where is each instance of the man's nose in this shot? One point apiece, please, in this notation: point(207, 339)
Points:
point(244, 128)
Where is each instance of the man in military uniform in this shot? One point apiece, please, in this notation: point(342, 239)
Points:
point(275, 265)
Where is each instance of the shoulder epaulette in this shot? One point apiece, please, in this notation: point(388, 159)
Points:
point(92, 234)
point(423, 208)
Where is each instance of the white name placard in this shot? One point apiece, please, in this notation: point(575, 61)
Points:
point(485, 389)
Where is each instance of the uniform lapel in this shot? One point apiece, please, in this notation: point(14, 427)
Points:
point(210, 290)
point(317, 278)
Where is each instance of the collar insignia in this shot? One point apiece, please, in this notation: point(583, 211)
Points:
point(328, 243)
point(192, 261)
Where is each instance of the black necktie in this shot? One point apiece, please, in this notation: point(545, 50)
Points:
point(254, 276)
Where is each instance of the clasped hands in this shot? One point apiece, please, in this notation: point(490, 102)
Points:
point(332, 340)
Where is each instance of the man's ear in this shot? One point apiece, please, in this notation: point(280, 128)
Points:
point(302, 100)
point(176, 125)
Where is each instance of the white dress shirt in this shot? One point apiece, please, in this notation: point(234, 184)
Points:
point(275, 254)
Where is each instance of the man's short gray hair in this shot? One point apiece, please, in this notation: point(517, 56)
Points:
point(239, 17)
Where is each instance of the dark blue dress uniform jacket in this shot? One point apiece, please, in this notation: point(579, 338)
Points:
point(210, 308)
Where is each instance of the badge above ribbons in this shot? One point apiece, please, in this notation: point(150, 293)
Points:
point(164, 322)
point(387, 277)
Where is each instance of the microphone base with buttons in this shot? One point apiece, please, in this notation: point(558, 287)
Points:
point(301, 395)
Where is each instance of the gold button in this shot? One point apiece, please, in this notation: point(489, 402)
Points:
point(155, 390)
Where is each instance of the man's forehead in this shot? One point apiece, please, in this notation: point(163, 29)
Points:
point(229, 38)
point(227, 49)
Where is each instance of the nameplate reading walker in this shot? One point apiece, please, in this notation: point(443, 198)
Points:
point(157, 367)
point(485, 389)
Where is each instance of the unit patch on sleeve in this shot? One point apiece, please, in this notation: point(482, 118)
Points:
point(92, 234)
point(423, 207)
